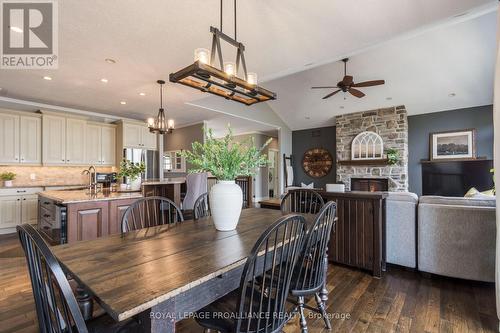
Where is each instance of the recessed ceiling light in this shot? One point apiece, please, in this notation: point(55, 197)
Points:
point(48, 78)
point(461, 14)
point(389, 98)
point(142, 94)
point(309, 64)
point(452, 95)
point(103, 80)
point(307, 118)
point(123, 102)
point(16, 29)
point(110, 61)
point(341, 107)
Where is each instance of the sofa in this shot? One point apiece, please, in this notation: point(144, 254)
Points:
point(401, 215)
point(456, 237)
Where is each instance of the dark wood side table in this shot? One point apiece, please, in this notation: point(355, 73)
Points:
point(359, 236)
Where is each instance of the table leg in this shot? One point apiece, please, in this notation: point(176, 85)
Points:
point(324, 292)
point(160, 318)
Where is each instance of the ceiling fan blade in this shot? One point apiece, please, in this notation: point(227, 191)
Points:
point(369, 83)
point(356, 92)
point(347, 80)
point(331, 94)
point(324, 87)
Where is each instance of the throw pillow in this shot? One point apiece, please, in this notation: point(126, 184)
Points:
point(307, 186)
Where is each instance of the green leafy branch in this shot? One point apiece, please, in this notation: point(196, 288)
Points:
point(226, 158)
point(131, 170)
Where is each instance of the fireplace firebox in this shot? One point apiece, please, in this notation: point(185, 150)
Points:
point(369, 184)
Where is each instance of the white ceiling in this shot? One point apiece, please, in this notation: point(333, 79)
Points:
point(420, 72)
point(239, 126)
point(151, 39)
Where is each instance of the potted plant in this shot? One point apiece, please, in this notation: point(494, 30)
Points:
point(132, 173)
point(226, 159)
point(392, 156)
point(7, 178)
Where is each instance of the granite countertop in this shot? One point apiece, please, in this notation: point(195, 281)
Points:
point(76, 196)
point(35, 184)
point(166, 181)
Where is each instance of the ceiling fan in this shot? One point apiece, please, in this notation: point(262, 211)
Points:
point(347, 84)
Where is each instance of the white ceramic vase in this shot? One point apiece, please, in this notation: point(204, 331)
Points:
point(226, 200)
point(7, 183)
point(135, 185)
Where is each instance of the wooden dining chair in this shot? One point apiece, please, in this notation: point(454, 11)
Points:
point(304, 201)
point(310, 275)
point(201, 207)
point(149, 212)
point(251, 308)
point(56, 307)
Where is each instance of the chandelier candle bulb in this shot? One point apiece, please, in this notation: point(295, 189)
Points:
point(202, 55)
point(252, 78)
point(170, 124)
point(230, 68)
point(151, 122)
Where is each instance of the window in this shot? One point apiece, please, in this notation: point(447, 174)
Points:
point(173, 161)
point(367, 146)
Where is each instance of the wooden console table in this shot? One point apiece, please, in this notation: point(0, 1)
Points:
point(359, 237)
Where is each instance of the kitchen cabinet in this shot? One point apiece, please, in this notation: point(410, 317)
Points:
point(148, 139)
point(108, 145)
point(54, 139)
point(173, 161)
point(75, 141)
point(18, 206)
point(63, 140)
point(87, 220)
point(20, 139)
point(9, 138)
point(117, 209)
point(30, 140)
point(136, 135)
point(101, 144)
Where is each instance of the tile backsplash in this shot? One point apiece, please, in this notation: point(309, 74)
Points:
point(50, 175)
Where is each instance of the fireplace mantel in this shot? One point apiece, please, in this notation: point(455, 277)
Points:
point(381, 161)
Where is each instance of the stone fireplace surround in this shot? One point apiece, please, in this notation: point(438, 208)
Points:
point(392, 125)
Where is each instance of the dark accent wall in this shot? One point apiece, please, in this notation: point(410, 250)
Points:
point(303, 140)
point(420, 126)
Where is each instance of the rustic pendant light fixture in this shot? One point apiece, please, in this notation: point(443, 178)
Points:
point(160, 125)
point(223, 81)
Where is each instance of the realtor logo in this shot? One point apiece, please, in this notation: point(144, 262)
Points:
point(29, 34)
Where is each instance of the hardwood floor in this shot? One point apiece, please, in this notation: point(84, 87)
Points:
point(402, 301)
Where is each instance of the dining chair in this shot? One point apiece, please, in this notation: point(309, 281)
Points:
point(56, 307)
point(201, 207)
point(310, 274)
point(304, 201)
point(251, 308)
point(149, 212)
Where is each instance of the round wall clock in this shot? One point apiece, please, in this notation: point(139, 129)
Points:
point(317, 162)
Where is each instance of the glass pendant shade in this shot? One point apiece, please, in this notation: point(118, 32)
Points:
point(230, 68)
point(252, 78)
point(202, 55)
point(171, 124)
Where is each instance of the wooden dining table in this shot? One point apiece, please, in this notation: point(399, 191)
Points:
point(163, 274)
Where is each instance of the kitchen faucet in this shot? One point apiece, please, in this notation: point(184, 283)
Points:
point(91, 172)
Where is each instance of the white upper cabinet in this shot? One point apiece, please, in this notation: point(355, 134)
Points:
point(9, 138)
point(136, 135)
point(30, 140)
point(101, 144)
point(54, 140)
point(20, 139)
point(93, 144)
point(75, 141)
point(108, 145)
point(132, 135)
point(148, 139)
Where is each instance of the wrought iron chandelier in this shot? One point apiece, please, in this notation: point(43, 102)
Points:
point(160, 125)
point(223, 80)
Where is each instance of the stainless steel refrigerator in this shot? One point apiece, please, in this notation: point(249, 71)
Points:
point(149, 157)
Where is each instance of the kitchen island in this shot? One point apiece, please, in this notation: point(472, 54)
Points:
point(167, 188)
point(75, 215)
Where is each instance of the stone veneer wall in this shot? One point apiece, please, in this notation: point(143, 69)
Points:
point(392, 125)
